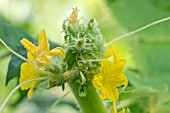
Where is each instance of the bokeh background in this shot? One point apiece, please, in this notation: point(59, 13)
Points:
point(147, 52)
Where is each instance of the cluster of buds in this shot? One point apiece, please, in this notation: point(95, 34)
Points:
point(84, 47)
point(77, 62)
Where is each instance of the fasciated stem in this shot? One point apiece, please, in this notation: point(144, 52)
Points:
point(89, 104)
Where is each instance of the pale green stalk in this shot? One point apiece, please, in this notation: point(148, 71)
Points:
point(17, 87)
point(137, 30)
point(57, 101)
point(15, 53)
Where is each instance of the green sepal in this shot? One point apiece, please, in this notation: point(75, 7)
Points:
point(63, 86)
point(56, 80)
point(70, 58)
point(82, 90)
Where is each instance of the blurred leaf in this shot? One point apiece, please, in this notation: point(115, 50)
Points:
point(162, 4)
point(15, 64)
point(152, 66)
point(135, 108)
point(166, 105)
point(22, 94)
point(150, 50)
point(138, 93)
point(12, 35)
point(133, 14)
point(2, 19)
point(4, 55)
point(45, 102)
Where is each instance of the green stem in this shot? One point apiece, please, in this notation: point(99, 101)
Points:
point(89, 104)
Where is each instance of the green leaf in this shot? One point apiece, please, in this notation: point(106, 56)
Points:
point(152, 67)
point(12, 35)
point(15, 64)
point(166, 105)
point(134, 93)
point(133, 14)
point(70, 58)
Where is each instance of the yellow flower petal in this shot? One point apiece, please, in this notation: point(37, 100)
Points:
point(43, 41)
point(58, 51)
point(116, 55)
point(106, 67)
point(118, 81)
point(97, 81)
point(28, 72)
point(112, 51)
point(29, 95)
point(118, 66)
point(28, 45)
point(44, 61)
point(30, 57)
point(109, 52)
point(39, 53)
point(114, 107)
point(108, 92)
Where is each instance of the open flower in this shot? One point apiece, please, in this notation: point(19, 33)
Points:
point(111, 76)
point(41, 56)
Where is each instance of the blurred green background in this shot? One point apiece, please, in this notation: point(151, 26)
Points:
point(147, 52)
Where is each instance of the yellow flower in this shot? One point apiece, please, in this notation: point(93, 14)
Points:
point(41, 56)
point(111, 76)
